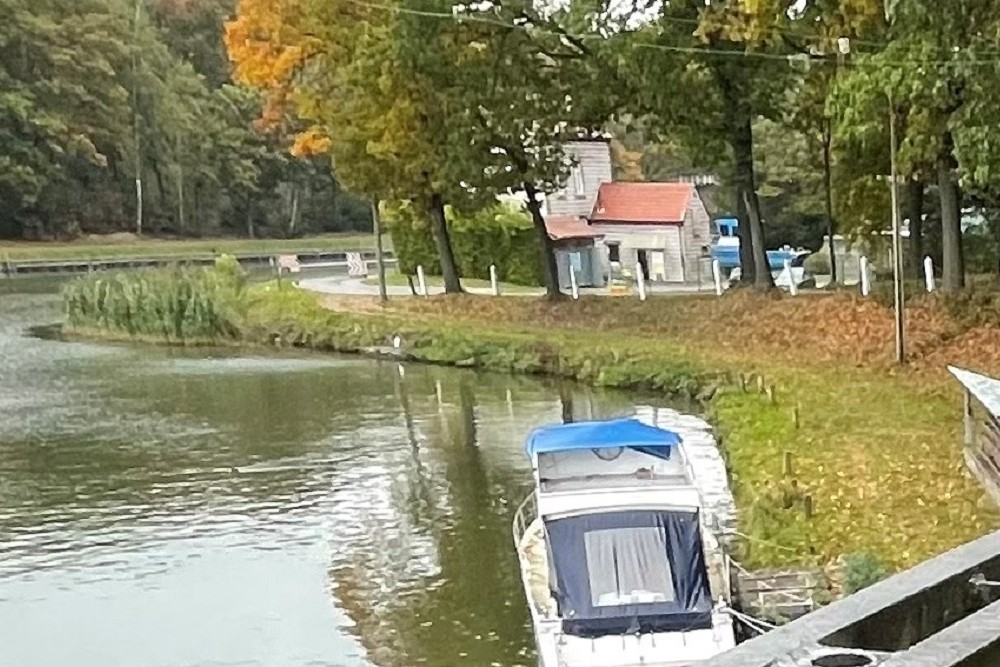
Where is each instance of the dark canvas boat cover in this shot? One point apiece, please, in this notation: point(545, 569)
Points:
point(626, 572)
point(601, 435)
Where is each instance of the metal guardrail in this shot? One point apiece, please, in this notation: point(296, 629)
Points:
point(308, 258)
point(526, 513)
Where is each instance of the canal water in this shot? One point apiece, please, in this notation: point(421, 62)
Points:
point(165, 508)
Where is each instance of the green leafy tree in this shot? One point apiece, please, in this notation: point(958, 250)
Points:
point(711, 56)
point(524, 84)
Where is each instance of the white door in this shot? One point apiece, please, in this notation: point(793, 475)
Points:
point(673, 256)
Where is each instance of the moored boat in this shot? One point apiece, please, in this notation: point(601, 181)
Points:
point(620, 564)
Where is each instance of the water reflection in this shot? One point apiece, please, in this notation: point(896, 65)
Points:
point(194, 508)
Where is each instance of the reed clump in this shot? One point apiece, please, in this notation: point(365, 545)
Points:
point(177, 304)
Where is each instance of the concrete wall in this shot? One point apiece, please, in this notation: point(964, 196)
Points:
point(928, 616)
point(594, 165)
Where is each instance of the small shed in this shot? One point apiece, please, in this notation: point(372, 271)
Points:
point(663, 228)
point(981, 417)
point(576, 249)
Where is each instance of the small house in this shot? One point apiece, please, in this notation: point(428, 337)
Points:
point(576, 248)
point(663, 229)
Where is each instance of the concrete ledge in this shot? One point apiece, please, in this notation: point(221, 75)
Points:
point(901, 612)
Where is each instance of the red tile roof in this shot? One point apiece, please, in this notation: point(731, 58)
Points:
point(564, 227)
point(642, 202)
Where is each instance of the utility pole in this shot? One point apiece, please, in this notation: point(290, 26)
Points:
point(136, 118)
point(897, 245)
point(379, 254)
point(844, 47)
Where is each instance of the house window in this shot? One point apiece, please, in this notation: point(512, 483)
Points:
point(613, 252)
point(579, 187)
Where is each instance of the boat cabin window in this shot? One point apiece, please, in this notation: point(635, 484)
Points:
point(628, 566)
point(604, 467)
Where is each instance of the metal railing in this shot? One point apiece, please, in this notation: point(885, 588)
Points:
point(526, 513)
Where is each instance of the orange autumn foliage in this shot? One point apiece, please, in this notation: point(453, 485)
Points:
point(268, 47)
point(311, 142)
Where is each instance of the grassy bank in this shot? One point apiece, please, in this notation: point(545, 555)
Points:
point(876, 450)
point(126, 245)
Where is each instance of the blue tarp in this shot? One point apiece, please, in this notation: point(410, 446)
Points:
point(602, 560)
point(601, 435)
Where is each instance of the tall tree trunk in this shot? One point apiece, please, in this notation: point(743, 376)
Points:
point(953, 271)
point(831, 228)
point(915, 212)
point(250, 229)
point(293, 219)
point(546, 248)
point(181, 214)
point(743, 152)
point(439, 229)
point(379, 254)
point(747, 268)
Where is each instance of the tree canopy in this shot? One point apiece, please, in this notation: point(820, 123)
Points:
point(259, 117)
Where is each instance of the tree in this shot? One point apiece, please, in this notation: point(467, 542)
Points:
point(63, 107)
point(520, 80)
point(341, 67)
point(709, 55)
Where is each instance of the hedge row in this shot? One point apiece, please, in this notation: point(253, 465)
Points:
point(501, 235)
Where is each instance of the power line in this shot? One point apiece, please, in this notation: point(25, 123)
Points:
point(791, 58)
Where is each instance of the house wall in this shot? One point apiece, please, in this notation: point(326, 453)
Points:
point(594, 164)
point(591, 273)
point(697, 239)
point(631, 239)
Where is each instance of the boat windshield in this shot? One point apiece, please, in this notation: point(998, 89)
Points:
point(635, 571)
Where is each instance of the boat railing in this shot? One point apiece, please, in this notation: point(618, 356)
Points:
point(526, 513)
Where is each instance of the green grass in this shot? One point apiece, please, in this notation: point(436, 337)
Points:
point(396, 279)
point(125, 247)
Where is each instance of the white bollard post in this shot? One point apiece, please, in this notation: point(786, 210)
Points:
point(866, 286)
point(494, 283)
point(793, 289)
point(717, 277)
point(574, 287)
point(929, 273)
point(640, 279)
point(421, 281)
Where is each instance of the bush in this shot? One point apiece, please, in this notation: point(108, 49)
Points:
point(862, 570)
point(818, 263)
point(178, 304)
point(501, 235)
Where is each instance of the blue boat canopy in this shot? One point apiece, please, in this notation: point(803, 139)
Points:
point(629, 433)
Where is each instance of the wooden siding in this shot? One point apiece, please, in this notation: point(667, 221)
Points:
point(982, 447)
point(594, 162)
point(697, 239)
point(631, 239)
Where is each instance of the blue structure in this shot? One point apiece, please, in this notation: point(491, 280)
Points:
point(726, 249)
point(629, 433)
